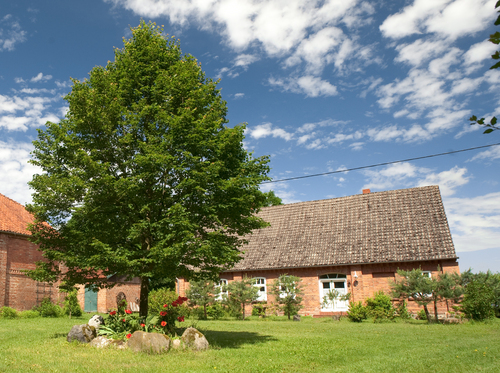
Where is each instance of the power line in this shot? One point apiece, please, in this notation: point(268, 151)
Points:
point(379, 164)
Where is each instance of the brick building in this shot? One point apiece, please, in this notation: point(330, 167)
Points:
point(352, 244)
point(17, 253)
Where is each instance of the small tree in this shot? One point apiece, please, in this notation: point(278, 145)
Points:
point(445, 287)
point(416, 285)
point(287, 293)
point(201, 293)
point(242, 292)
point(71, 305)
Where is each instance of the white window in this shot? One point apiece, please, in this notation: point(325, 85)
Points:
point(260, 283)
point(221, 289)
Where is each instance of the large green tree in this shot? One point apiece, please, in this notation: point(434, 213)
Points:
point(142, 177)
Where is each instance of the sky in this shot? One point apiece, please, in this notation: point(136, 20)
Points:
point(323, 85)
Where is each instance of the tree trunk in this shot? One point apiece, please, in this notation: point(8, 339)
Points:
point(143, 302)
point(243, 311)
point(205, 311)
point(435, 310)
point(427, 314)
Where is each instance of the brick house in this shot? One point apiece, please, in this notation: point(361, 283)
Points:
point(17, 253)
point(352, 244)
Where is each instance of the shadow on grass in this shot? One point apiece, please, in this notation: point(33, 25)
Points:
point(59, 335)
point(223, 339)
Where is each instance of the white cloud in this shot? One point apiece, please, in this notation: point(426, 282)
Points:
point(40, 78)
point(244, 60)
point(239, 95)
point(21, 113)
point(448, 181)
point(474, 221)
point(405, 175)
point(490, 154)
point(420, 51)
point(479, 52)
point(15, 171)
point(451, 19)
point(266, 129)
point(10, 33)
point(282, 190)
point(309, 85)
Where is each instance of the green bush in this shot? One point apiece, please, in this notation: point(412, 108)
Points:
point(421, 315)
point(478, 302)
point(380, 307)
point(159, 297)
point(29, 314)
point(48, 309)
point(216, 311)
point(357, 312)
point(258, 310)
point(8, 313)
point(71, 305)
point(402, 311)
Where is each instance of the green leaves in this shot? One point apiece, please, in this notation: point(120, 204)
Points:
point(490, 126)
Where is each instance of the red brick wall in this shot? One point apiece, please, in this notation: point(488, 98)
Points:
point(106, 298)
point(370, 279)
point(16, 289)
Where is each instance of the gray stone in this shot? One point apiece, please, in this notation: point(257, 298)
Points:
point(82, 333)
point(100, 342)
point(296, 317)
point(195, 340)
point(177, 344)
point(149, 342)
point(96, 321)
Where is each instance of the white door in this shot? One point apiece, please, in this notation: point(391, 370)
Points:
point(340, 286)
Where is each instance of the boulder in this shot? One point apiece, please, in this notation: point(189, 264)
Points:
point(149, 342)
point(194, 339)
point(96, 321)
point(100, 342)
point(177, 344)
point(82, 333)
point(296, 317)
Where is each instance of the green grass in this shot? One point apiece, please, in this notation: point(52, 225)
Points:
point(312, 345)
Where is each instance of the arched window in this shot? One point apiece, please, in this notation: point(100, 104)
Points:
point(333, 284)
point(260, 283)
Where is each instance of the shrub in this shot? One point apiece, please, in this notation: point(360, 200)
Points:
point(402, 312)
point(216, 311)
point(357, 312)
point(380, 307)
point(478, 302)
point(29, 314)
point(258, 310)
point(71, 305)
point(48, 309)
point(8, 313)
point(421, 315)
point(159, 297)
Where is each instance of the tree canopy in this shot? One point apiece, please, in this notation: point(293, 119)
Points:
point(142, 177)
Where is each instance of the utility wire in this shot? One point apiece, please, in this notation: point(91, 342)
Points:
point(379, 164)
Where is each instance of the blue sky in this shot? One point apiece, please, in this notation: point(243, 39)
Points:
point(323, 86)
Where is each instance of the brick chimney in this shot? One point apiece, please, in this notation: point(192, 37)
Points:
point(366, 191)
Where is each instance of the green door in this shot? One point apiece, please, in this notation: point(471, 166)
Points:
point(90, 300)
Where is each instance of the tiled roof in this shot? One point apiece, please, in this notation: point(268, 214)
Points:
point(381, 227)
point(13, 216)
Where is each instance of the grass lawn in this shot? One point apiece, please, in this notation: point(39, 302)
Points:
point(312, 345)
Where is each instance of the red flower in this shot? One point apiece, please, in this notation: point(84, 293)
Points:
point(143, 325)
point(124, 320)
point(174, 304)
point(163, 323)
point(112, 313)
point(180, 318)
point(129, 335)
point(164, 306)
point(163, 313)
point(128, 312)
